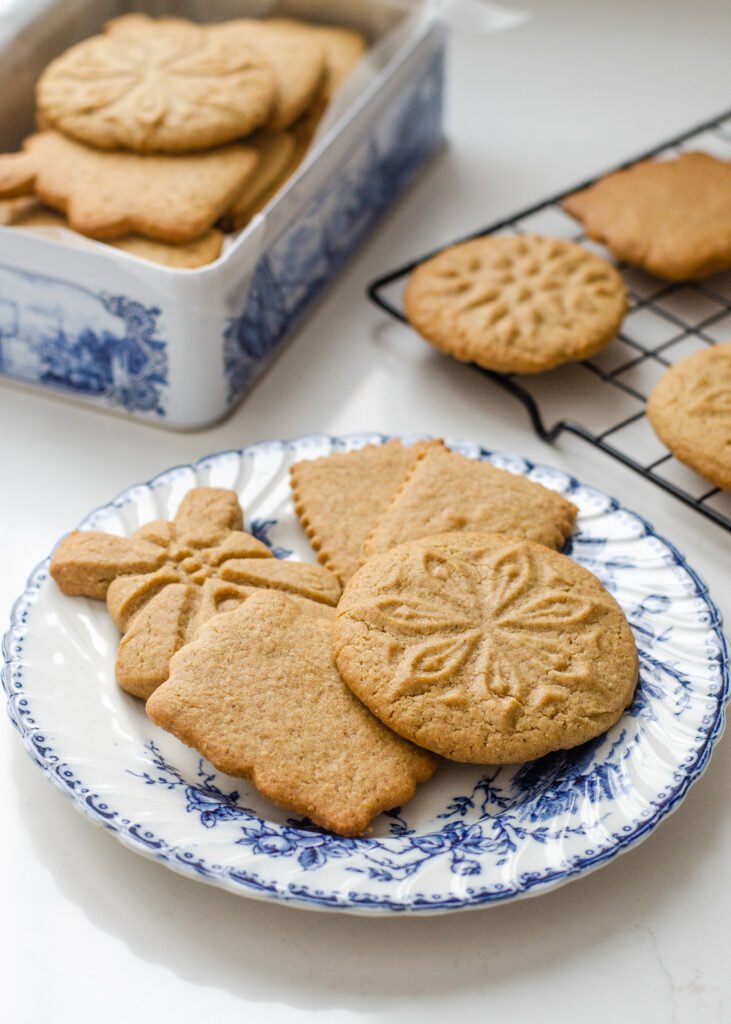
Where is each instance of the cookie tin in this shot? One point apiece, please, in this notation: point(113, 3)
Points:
point(180, 348)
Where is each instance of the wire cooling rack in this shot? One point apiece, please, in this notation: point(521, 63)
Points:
point(602, 399)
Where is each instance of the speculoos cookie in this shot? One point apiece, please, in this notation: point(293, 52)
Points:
point(169, 86)
point(484, 647)
point(259, 696)
point(445, 491)
point(516, 304)
point(672, 217)
point(166, 580)
point(338, 498)
point(690, 411)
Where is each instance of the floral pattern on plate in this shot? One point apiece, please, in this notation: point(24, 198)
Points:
point(473, 835)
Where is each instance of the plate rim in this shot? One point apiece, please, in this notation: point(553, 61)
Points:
point(244, 883)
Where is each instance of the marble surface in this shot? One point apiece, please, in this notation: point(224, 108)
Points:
point(92, 931)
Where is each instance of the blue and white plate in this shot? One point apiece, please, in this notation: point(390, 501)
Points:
point(472, 835)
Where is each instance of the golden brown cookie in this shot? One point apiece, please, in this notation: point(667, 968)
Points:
point(276, 152)
point(343, 48)
point(297, 60)
point(672, 217)
point(445, 492)
point(690, 411)
point(169, 577)
point(169, 87)
point(109, 195)
point(484, 647)
point(516, 304)
point(338, 498)
point(259, 695)
point(12, 211)
point(185, 256)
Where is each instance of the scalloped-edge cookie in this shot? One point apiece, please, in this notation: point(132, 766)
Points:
point(672, 217)
point(485, 648)
point(516, 304)
point(690, 411)
point(446, 492)
point(258, 695)
point(339, 497)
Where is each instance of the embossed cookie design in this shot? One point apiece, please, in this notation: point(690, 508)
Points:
point(690, 411)
point(259, 695)
point(516, 304)
point(485, 648)
point(672, 217)
point(169, 578)
point(168, 87)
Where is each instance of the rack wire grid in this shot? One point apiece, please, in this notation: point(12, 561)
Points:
point(602, 399)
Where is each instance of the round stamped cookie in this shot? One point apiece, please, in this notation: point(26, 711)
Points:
point(485, 648)
point(166, 87)
point(516, 304)
point(690, 411)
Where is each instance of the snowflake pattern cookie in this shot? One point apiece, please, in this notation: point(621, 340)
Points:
point(516, 304)
point(485, 648)
point(170, 87)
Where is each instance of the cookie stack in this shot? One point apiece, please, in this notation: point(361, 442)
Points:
point(444, 622)
point(159, 134)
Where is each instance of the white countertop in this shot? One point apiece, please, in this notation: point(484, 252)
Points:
point(93, 932)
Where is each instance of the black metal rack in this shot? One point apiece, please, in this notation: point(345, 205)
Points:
point(664, 323)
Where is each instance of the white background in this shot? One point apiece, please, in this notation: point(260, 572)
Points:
point(92, 932)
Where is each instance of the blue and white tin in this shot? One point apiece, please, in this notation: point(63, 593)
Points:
point(181, 347)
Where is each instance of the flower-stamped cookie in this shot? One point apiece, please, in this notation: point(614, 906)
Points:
point(690, 411)
point(485, 648)
point(169, 578)
point(516, 304)
point(672, 217)
point(258, 695)
point(168, 87)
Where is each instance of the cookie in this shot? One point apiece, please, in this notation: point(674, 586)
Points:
point(446, 492)
point(516, 304)
point(109, 195)
point(339, 498)
point(297, 61)
point(17, 174)
point(162, 583)
point(13, 210)
point(276, 152)
point(185, 256)
point(672, 217)
point(169, 87)
point(343, 48)
point(485, 648)
point(259, 696)
point(690, 411)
